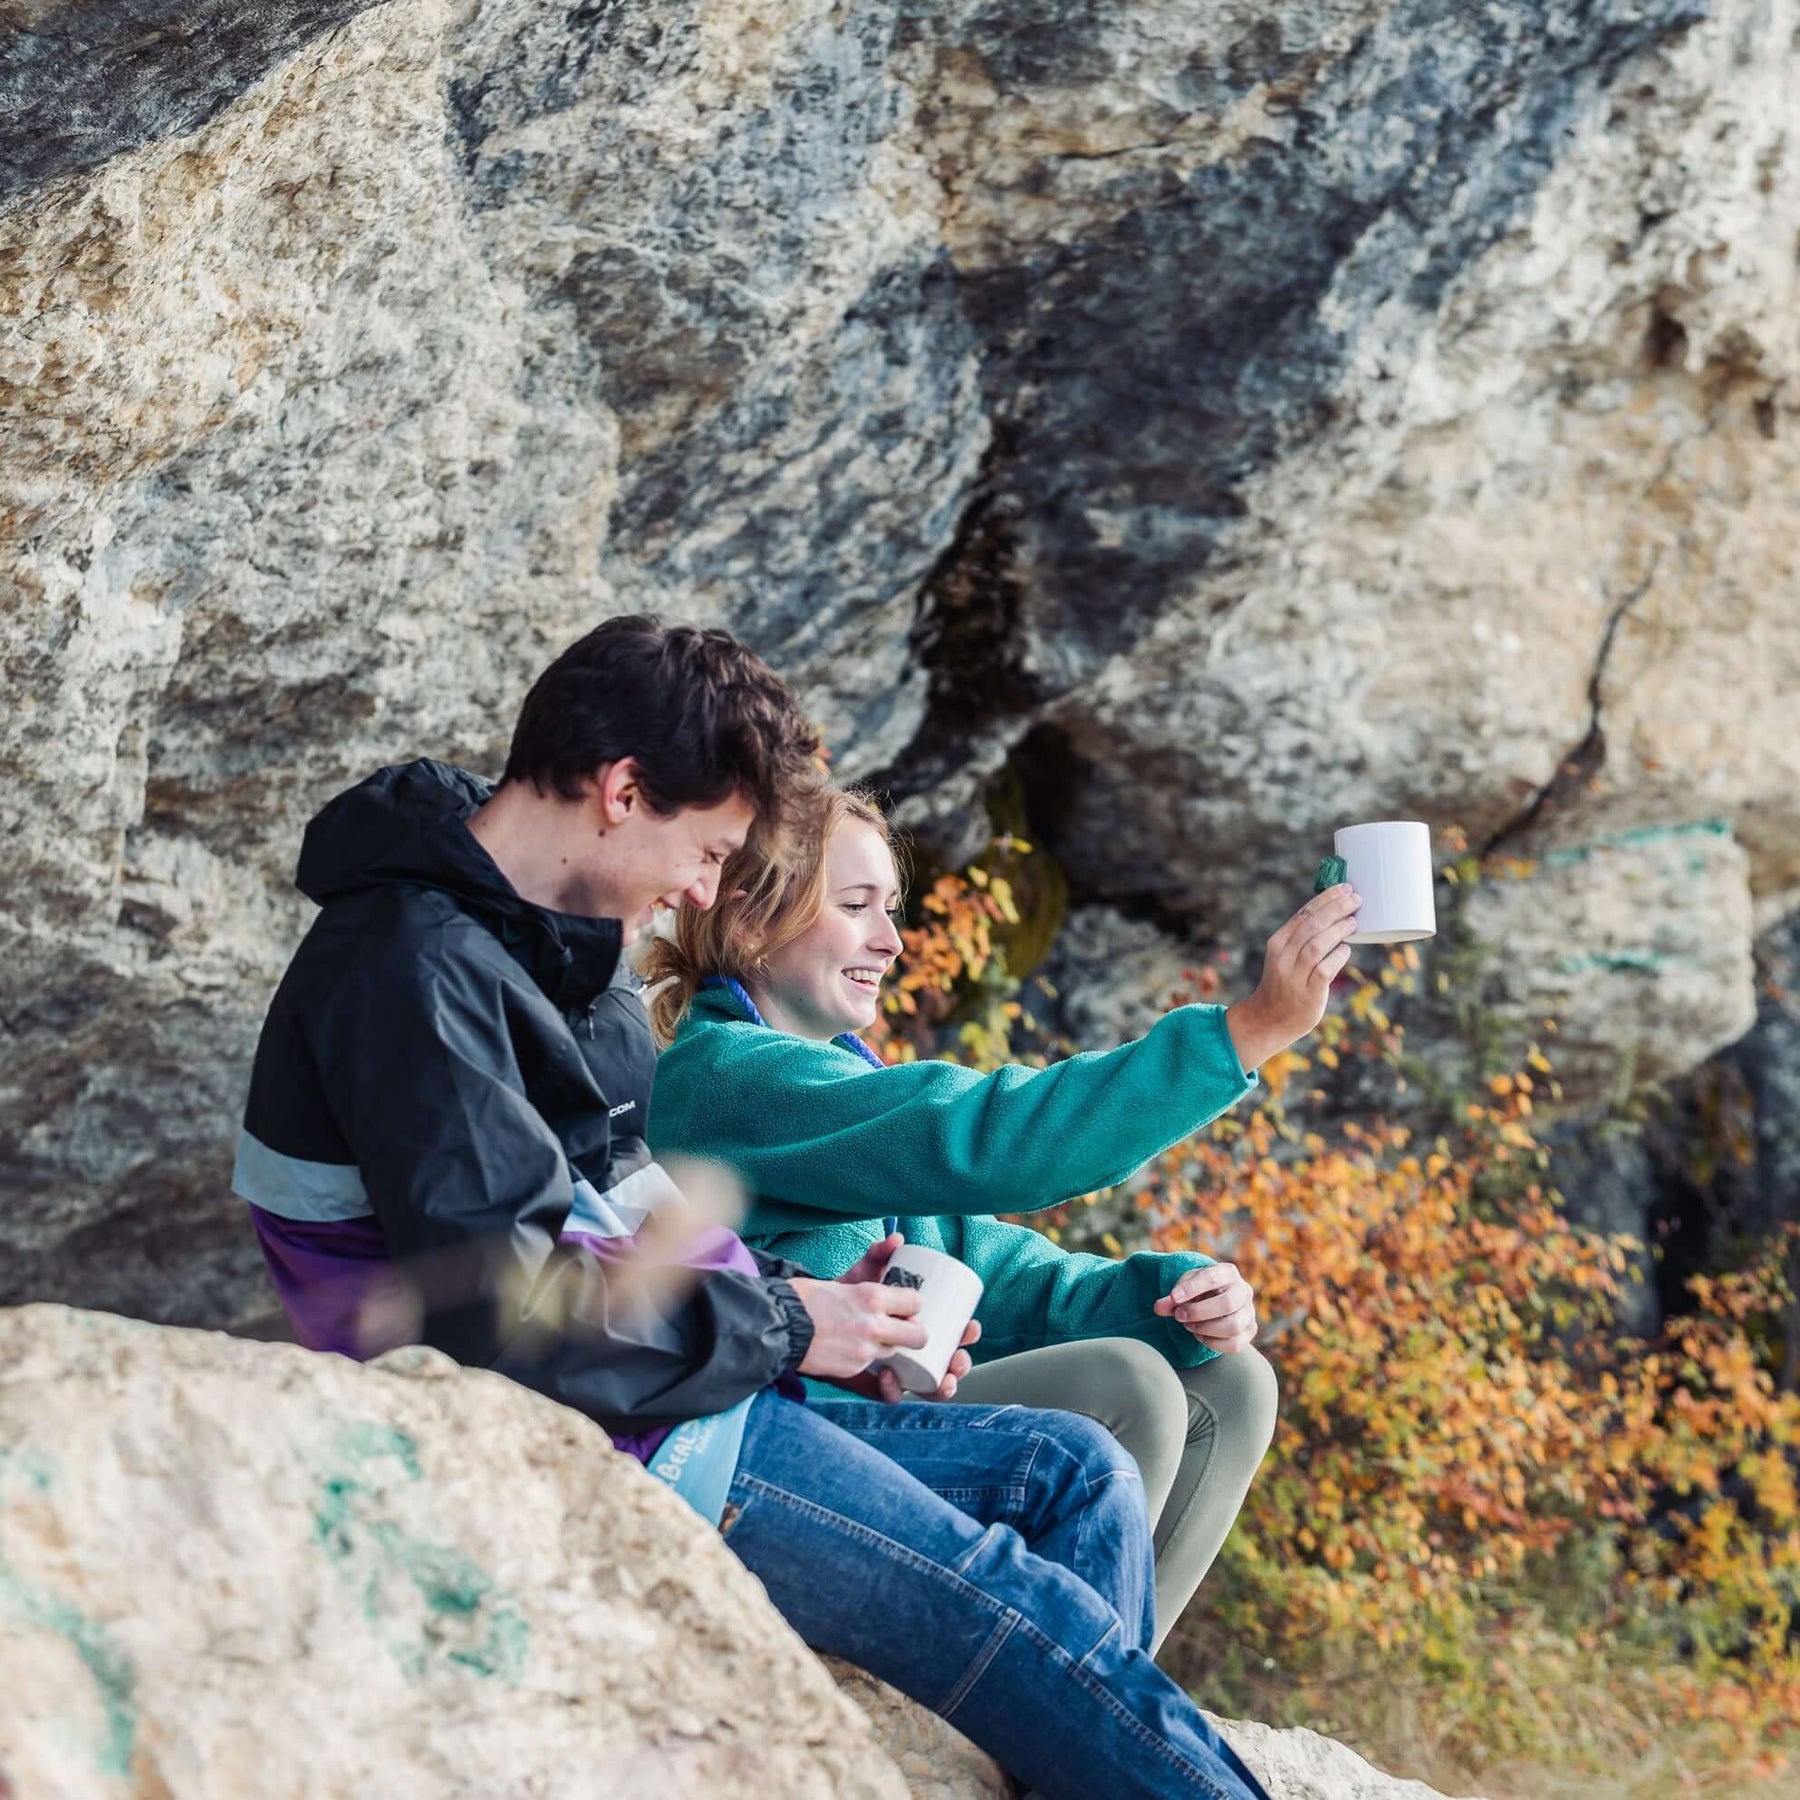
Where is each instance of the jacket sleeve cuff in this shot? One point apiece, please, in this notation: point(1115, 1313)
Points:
point(797, 1319)
point(1246, 1077)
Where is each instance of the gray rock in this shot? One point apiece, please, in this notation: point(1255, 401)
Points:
point(1239, 420)
point(244, 1570)
point(410, 1580)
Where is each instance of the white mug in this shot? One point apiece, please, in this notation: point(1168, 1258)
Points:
point(1389, 865)
point(949, 1292)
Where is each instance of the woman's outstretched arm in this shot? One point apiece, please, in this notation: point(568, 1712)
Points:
point(812, 1128)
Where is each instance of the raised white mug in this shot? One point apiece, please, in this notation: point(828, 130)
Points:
point(949, 1291)
point(1389, 865)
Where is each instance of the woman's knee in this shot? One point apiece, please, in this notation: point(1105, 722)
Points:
point(1241, 1394)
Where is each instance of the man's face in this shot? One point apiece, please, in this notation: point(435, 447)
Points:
point(638, 860)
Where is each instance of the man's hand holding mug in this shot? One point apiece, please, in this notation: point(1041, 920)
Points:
point(857, 1321)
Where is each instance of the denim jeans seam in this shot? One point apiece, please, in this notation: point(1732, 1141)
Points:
point(1011, 1496)
point(1135, 1726)
point(965, 1684)
point(856, 1528)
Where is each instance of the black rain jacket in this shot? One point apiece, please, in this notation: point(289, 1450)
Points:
point(474, 1056)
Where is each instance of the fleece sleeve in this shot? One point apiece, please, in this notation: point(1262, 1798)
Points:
point(813, 1126)
point(471, 1188)
point(1037, 1293)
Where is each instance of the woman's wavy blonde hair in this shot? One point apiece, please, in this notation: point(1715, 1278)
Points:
point(763, 905)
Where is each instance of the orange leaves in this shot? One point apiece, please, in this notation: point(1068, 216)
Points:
point(1457, 1400)
point(1460, 1418)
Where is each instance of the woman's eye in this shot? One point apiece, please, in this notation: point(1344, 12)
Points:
point(856, 906)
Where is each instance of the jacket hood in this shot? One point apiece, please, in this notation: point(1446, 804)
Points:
point(409, 824)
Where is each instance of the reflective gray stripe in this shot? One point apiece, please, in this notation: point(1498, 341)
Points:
point(293, 1189)
point(623, 1208)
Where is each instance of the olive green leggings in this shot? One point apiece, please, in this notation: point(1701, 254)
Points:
point(1197, 1434)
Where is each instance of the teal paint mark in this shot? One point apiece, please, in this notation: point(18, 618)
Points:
point(32, 1467)
point(107, 1665)
point(364, 1440)
point(469, 1622)
point(1617, 962)
point(1635, 839)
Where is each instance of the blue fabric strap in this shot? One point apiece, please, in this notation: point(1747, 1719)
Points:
point(848, 1039)
point(698, 1459)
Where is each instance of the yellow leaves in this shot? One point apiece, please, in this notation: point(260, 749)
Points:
point(1458, 1405)
point(1281, 1068)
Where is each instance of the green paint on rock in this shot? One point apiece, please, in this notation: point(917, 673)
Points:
point(1638, 838)
point(1617, 962)
point(469, 1622)
point(107, 1665)
point(30, 1465)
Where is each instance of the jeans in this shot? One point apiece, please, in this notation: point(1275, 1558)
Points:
point(1197, 1436)
point(992, 1562)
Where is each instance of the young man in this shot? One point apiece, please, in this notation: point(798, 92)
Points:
point(444, 1142)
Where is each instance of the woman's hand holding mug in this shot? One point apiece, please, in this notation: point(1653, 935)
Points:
point(1216, 1304)
point(1303, 959)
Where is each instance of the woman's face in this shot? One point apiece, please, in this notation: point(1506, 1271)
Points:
point(828, 980)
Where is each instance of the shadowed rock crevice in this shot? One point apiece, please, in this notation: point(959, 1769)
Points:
point(1584, 761)
point(1143, 376)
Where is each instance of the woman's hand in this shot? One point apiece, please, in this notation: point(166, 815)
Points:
point(870, 1313)
point(1217, 1305)
point(1303, 959)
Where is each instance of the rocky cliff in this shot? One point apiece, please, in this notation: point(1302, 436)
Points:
point(236, 1571)
point(1216, 421)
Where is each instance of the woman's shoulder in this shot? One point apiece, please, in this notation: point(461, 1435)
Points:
point(712, 1032)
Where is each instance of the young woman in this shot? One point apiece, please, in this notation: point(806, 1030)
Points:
point(760, 1002)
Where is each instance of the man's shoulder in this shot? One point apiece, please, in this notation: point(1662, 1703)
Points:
point(401, 940)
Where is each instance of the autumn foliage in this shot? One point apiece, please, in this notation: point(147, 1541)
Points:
point(1478, 1483)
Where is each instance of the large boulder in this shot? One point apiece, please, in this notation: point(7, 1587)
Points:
point(1225, 422)
point(240, 1571)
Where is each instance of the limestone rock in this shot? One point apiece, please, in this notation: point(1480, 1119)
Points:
point(1643, 940)
point(1298, 1764)
point(1114, 976)
point(1237, 420)
point(938, 1762)
point(244, 1570)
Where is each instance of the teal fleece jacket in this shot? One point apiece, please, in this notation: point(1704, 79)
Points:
point(829, 1145)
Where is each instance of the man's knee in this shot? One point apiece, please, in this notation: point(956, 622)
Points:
point(1091, 1457)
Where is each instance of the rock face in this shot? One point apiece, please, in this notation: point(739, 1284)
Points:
point(242, 1570)
point(246, 1571)
point(1225, 421)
